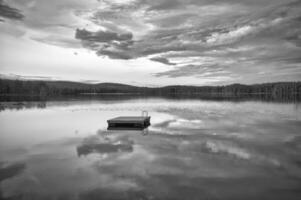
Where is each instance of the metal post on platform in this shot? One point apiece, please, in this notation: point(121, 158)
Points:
point(144, 113)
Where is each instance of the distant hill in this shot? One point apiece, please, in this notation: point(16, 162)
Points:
point(36, 87)
point(76, 87)
point(58, 88)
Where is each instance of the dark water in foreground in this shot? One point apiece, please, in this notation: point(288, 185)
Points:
point(194, 149)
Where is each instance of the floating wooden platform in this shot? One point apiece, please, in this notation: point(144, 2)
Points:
point(129, 122)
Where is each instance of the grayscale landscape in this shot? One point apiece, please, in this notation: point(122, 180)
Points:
point(150, 100)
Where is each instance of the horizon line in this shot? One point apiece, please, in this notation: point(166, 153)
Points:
point(93, 82)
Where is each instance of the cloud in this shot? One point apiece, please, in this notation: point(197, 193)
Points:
point(58, 41)
point(162, 60)
point(106, 43)
point(240, 36)
point(114, 54)
point(51, 23)
point(201, 71)
point(230, 36)
point(9, 12)
point(202, 39)
point(165, 5)
point(101, 36)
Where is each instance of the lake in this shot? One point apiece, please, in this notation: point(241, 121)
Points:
point(194, 149)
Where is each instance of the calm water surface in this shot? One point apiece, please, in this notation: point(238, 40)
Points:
point(194, 149)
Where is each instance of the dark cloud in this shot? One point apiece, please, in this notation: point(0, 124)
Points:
point(101, 36)
point(165, 5)
point(106, 43)
point(162, 60)
point(295, 60)
point(295, 38)
point(114, 54)
point(9, 12)
point(107, 193)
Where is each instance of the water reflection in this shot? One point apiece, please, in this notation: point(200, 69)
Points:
point(193, 150)
point(27, 102)
point(103, 144)
point(8, 171)
point(22, 105)
point(112, 141)
point(143, 129)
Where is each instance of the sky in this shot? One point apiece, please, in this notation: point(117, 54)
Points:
point(152, 42)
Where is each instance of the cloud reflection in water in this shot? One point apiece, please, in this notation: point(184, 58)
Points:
point(103, 145)
point(212, 150)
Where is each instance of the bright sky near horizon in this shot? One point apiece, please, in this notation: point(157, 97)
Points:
point(152, 42)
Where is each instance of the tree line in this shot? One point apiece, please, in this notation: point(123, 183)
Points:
point(290, 90)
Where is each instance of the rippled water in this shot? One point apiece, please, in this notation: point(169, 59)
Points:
point(193, 149)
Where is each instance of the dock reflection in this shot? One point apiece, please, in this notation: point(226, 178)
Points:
point(142, 130)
